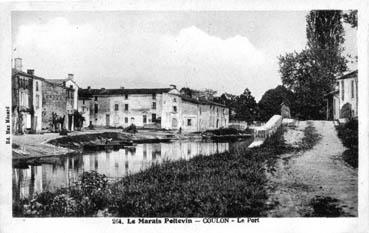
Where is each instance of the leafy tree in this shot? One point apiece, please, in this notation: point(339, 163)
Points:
point(246, 107)
point(351, 18)
point(270, 102)
point(311, 73)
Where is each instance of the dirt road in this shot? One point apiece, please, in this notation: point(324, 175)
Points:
point(320, 171)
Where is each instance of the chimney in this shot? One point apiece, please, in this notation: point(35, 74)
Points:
point(172, 86)
point(70, 76)
point(31, 72)
point(89, 87)
point(18, 64)
point(121, 87)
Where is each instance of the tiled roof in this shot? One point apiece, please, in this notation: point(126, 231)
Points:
point(15, 72)
point(203, 102)
point(352, 74)
point(121, 91)
point(89, 93)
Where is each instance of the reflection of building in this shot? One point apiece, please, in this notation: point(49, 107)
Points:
point(343, 101)
point(114, 164)
point(161, 107)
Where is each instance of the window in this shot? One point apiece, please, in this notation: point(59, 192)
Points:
point(96, 108)
point(200, 110)
point(153, 105)
point(126, 107)
point(126, 96)
point(189, 122)
point(342, 89)
point(126, 119)
point(116, 107)
point(36, 86)
point(174, 100)
point(37, 101)
point(83, 101)
point(352, 89)
point(95, 98)
point(154, 96)
point(174, 108)
point(153, 117)
point(144, 119)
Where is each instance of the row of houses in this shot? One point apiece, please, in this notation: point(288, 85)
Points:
point(166, 108)
point(40, 104)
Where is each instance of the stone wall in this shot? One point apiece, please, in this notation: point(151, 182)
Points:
point(54, 100)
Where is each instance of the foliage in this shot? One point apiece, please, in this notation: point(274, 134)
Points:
point(270, 102)
point(55, 121)
point(246, 107)
point(311, 137)
point(349, 135)
point(131, 129)
point(88, 196)
point(223, 131)
point(325, 207)
point(228, 184)
point(345, 111)
point(78, 119)
point(311, 73)
point(351, 18)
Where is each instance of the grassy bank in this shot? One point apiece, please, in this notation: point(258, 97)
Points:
point(228, 184)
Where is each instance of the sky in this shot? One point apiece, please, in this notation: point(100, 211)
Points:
point(226, 51)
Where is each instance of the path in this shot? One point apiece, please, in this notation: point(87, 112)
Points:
point(316, 172)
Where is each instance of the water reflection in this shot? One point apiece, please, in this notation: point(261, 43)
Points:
point(114, 164)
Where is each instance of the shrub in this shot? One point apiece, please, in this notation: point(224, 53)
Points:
point(349, 135)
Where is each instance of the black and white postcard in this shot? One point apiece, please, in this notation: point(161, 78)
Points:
point(184, 116)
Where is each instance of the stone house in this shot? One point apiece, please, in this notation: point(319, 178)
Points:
point(26, 100)
point(150, 108)
point(342, 102)
point(35, 99)
point(57, 99)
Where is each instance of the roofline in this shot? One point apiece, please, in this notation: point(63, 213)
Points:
point(345, 76)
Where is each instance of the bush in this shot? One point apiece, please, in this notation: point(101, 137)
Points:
point(63, 132)
point(131, 129)
point(349, 135)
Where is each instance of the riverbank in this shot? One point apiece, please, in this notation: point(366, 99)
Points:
point(36, 146)
point(223, 184)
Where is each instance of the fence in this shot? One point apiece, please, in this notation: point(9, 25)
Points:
point(269, 128)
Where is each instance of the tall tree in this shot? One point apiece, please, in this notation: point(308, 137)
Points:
point(311, 73)
point(270, 102)
point(351, 18)
point(245, 107)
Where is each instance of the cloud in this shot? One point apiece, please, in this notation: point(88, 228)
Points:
point(109, 56)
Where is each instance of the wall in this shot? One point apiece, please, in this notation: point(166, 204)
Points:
point(171, 119)
point(348, 91)
point(37, 104)
point(22, 99)
point(75, 98)
point(139, 105)
point(54, 99)
point(84, 109)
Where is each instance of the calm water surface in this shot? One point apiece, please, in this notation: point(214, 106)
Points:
point(64, 171)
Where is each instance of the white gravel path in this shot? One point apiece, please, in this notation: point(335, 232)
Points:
point(320, 171)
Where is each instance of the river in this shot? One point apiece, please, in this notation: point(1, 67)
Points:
point(65, 170)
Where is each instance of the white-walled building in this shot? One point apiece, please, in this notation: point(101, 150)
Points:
point(345, 94)
point(155, 108)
